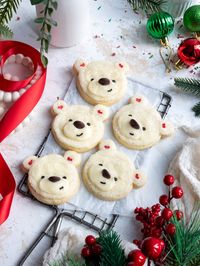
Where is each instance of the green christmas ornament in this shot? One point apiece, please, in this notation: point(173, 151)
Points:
point(191, 18)
point(160, 25)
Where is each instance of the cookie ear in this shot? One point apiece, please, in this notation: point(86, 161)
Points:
point(79, 65)
point(73, 157)
point(139, 179)
point(107, 145)
point(58, 107)
point(28, 162)
point(101, 112)
point(166, 128)
point(138, 99)
point(122, 66)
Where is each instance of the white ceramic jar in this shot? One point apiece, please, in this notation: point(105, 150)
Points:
point(73, 18)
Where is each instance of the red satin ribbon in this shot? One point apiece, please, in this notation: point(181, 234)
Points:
point(7, 188)
point(24, 105)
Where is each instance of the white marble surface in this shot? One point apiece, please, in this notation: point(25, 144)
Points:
point(117, 31)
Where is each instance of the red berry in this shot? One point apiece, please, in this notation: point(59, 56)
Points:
point(179, 214)
point(168, 180)
point(137, 256)
point(160, 221)
point(170, 229)
point(164, 200)
point(96, 249)
point(86, 252)
point(177, 192)
point(152, 247)
point(90, 240)
point(167, 214)
point(156, 232)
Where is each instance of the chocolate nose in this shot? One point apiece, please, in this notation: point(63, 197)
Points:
point(105, 174)
point(54, 179)
point(79, 124)
point(134, 124)
point(104, 81)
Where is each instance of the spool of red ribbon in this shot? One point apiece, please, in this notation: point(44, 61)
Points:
point(25, 104)
point(7, 188)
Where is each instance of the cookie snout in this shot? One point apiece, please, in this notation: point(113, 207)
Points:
point(104, 81)
point(105, 174)
point(54, 179)
point(78, 124)
point(134, 124)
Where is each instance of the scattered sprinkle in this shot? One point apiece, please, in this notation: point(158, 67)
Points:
point(109, 20)
point(118, 46)
point(150, 56)
point(113, 54)
point(99, 8)
point(134, 46)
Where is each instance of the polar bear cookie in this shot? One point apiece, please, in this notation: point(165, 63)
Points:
point(109, 174)
point(78, 127)
point(139, 126)
point(101, 82)
point(53, 179)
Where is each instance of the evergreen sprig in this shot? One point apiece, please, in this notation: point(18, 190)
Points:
point(7, 9)
point(184, 246)
point(46, 22)
point(112, 251)
point(68, 260)
point(192, 86)
point(149, 6)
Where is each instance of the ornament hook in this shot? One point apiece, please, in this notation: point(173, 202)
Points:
point(165, 46)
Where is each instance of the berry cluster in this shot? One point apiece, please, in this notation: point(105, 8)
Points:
point(156, 223)
point(91, 249)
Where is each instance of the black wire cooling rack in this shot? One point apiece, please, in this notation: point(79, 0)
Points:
point(88, 219)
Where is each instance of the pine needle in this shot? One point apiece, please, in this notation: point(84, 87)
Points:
point(188, 85)
point(196, 109)
point(149, 6)
point(112, 251)
point(5, 31)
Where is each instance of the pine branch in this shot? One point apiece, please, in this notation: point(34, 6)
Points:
point(7, 9)
point(149, 6)
point(184, 246)
point(5, 31)
point(188, 85)
point(68, 260)
point(196, 109)
point(112, 251)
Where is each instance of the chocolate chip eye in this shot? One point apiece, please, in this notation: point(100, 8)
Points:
point(113, 81)
point(115, 178)
point(70, 120)
point(91, 79)
point(130, 115)
point(42, 177)
point(144, 128)
point(100, 164)
point(88, 124)
point(64, 177)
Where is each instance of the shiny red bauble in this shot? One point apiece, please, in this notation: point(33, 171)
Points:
point(179, 214)
point(170, 229)
point(189, 51)
point(86, 252)
point(90, 240)
point(137, 256)
point(167, 214)
point(164, 200)
point(96, 249)
point(168, 180)
point(152, 248)
point(177, 192)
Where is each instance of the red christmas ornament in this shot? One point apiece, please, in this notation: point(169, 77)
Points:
point(90, 240)
point(164, 200)
point(167, 214)
point(86, 252)
point(170, 229)
point(152, 247)
point(137, 257)
point(96, 249)
point(177, 192)
point(179, 214)
point(189, 52)
point(168, 180)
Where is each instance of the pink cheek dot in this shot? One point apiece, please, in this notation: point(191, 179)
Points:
point(60, 107)
point(163, 125)
point(82, 65)
point(107, 147)
point(138, 100)
point(69, 159)
point(30, 162)
point(137, 176)
point(100, 112)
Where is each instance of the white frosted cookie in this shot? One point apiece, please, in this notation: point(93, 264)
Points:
point(53, 179)
point(138, 125)
point(101, 82)
point(78, 127)
point(109, 174)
